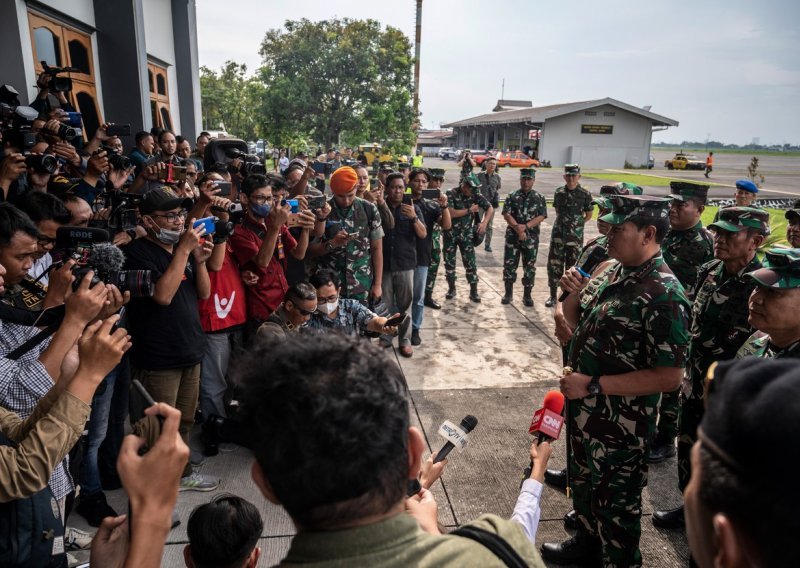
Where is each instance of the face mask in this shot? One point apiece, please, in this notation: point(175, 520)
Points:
point(168, 236)
point(260, 210)
point(328, 308)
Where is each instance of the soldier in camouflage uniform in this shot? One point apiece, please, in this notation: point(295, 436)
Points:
point(630, 344)
point(793, 230)
point(523, 210)
point(352, 244)
point(573, 205)
point(719, 324)
point(687, 247)
point(490, 189)
point(437, 179)
point(464, 202)
point(774, 307)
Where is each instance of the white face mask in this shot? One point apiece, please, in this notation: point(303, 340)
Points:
point(327, 308)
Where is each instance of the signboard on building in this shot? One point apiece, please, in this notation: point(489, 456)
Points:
point(534, 134)
point(597, 129)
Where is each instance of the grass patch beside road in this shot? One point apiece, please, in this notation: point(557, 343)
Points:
point(651, 180)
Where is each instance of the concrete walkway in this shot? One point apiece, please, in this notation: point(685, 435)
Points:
point(493, 361)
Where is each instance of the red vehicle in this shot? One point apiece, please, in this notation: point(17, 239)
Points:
point(515, 159)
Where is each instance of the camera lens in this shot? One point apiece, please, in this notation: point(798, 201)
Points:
point(138, 282)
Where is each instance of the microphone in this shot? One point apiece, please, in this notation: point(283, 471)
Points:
point(547, 421)
point(456, 436)
point(597, 256)
point(106, 258)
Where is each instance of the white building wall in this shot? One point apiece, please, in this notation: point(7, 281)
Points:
point(160, 43)
point(81, 10)
point(564, 143)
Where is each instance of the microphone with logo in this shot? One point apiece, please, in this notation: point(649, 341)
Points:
point(456, 437)
point(594, 259)
point(547, 422)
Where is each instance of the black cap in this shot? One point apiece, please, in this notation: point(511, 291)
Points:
point(163, 199)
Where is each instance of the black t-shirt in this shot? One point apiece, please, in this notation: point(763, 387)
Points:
point(163, 337)
point(400, 243)
point(431, 211)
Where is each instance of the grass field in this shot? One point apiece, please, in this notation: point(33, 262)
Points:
point(703, 150)
point(638, 179)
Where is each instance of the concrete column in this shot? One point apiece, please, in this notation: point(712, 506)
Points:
point(12, 50)
point(187, 66)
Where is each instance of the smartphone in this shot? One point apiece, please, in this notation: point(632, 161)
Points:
point(407, 199)
point(294, 204)
point(316, 202)
point(374, 183)
point(208, 223)
point(396, 320)
point(119, 130)
point(224, 188)
point(172, 173)
point(431, 193)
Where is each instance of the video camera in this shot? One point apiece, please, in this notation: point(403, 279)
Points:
point(91, 251)
point(225, 150)
point(16, 120)
point(124, 207)
point(59, 84)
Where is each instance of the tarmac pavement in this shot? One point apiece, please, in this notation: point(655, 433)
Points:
point(493, 361)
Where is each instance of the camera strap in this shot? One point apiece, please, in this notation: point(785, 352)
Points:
point(32, 342)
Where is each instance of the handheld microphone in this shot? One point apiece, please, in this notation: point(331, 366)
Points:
point(594, 259)
point(547, 421)
point(456, 436)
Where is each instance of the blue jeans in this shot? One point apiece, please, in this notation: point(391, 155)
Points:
point(418, 303)
point(89, 477)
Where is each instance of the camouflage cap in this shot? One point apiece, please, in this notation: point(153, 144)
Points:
point(608, 190)
point(735, 219)
point(403, 166)
point(794, 211)
point(387, 166)
point(683, 190)
point(627, 207)
point(471, 179)
point(527, 173)
point(437, 173)
point(780, 269)
point(572, 169)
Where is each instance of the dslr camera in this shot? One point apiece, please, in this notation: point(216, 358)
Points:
point(16, 120)
point(59, 84)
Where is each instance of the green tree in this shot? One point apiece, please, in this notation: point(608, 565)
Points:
point(230, 98)
point(337, 81)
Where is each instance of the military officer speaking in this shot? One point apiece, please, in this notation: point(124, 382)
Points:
point(687, 247)
point(630, 345)
point(719, 324)
point(523, 210)
point(773, 307)
point(464, 202)
point(573, 205)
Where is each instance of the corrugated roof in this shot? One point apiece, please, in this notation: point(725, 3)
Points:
point(539, 115)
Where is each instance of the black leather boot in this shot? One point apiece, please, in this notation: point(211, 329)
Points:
point(509, 295)
point(581, 549)
point(669, 519)
point(473, 293)
point(451, 291)
point(556, 477)
point(431, 303)
point(526, 296)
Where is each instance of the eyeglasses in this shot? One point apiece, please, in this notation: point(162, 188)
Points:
point(302, 311)
point(171, 217)
point(329, 299)
point(191, 174)
point(261, 200)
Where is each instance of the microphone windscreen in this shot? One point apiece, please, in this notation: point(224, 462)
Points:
point(106, 257)
point(554, 401)
point(469, 422)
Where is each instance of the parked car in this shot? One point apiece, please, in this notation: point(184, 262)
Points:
point(651, 162)
point(478, 155)
point(515, 159)
point(683, 161)
point(447, 153)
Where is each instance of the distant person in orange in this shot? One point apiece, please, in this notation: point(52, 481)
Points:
point(709, 163)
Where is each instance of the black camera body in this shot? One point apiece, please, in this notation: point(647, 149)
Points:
point(225, 150)
point(124, 207)
point(42, 163)
point(59, 84)
point(16, 120)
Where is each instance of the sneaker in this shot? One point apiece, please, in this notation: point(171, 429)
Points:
point(198, 482)
point(75, 539)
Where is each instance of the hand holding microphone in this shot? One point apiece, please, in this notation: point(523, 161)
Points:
point(547, 423)
point(594, 259)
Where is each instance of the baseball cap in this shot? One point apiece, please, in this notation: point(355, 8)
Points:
point(683, 190)
point(780, 269)
point(163, 199)
point(746, 185)
point(737, 219)
point(627, 207)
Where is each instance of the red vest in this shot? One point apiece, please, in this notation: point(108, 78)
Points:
point(226, 306)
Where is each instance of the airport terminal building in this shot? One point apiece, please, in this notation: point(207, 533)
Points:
point(603, 133)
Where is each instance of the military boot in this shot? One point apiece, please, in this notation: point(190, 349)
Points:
point(581, 549)
point(431, 303)
point(473, 293)
point(451, 290)
point(509, 293)
point(526, 296)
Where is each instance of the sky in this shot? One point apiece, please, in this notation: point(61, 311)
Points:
point(725, 70)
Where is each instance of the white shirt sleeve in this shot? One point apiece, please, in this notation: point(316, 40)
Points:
point(528, 508)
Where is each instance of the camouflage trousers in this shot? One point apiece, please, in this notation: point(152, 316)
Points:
point(607, 485)
point(564, 252)
point(691, 414)
point(527, 250)
point(669, 410)
point(487, 239)
point(436, 259)
point(467, 257)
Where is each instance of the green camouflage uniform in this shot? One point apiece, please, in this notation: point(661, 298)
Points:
point(436, 258)
point(460, 235)
point(353, 261)
point(684, 252)
point(490, 189)
point(566, 238)
point(758, 345)
point(632, 319)
point(719, 328)
point(522, 206)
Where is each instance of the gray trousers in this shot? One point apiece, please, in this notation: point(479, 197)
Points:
point(212, 373)
point(398, 291)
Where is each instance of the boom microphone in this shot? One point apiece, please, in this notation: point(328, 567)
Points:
point(106, 258)
point(594, 259)
point(455, 435)
point(547, 421)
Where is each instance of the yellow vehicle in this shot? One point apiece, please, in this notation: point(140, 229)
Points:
point(685, 162)
point(373, 151)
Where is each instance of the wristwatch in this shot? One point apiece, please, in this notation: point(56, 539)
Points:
point(594, 387)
